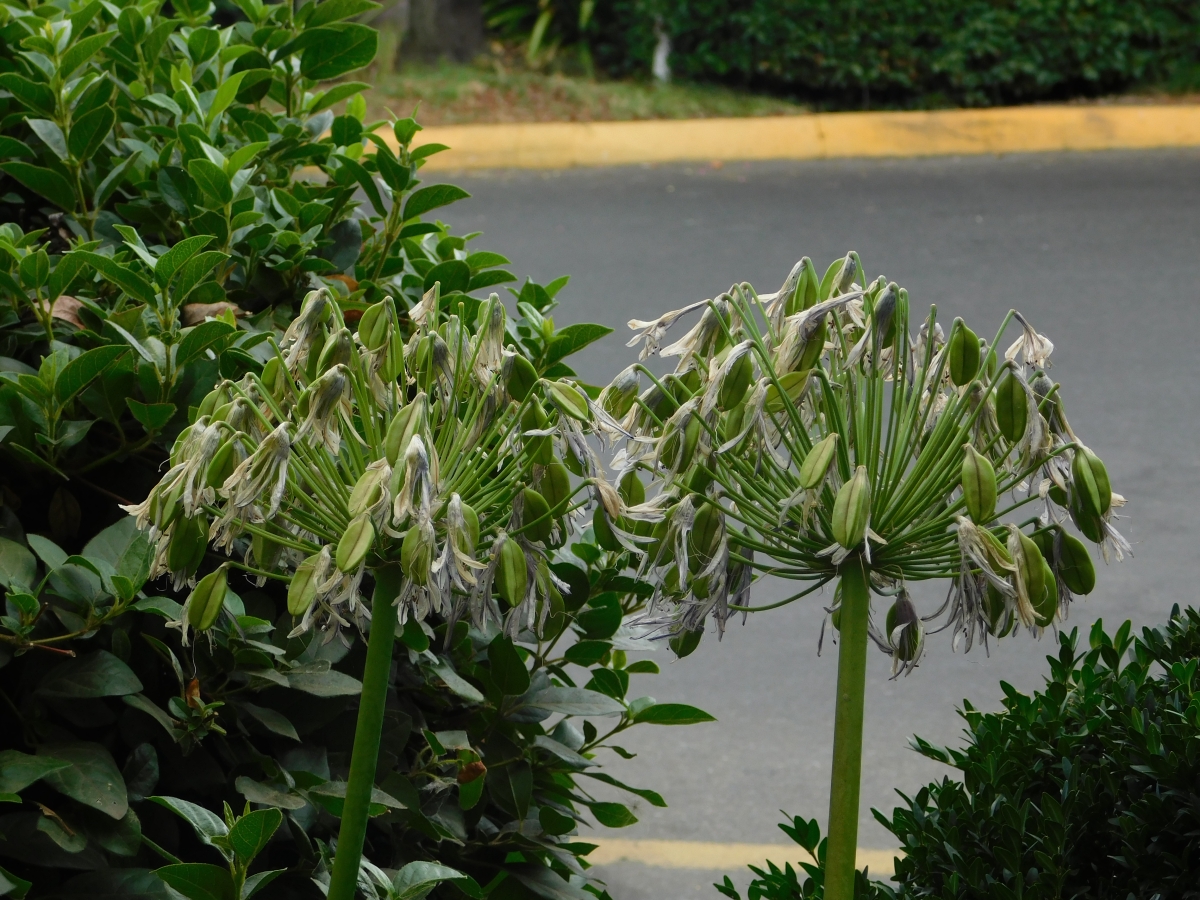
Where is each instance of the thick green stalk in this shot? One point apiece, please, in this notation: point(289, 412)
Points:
point(847, 731)
point(365, 756)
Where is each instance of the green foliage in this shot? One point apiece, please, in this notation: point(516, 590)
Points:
point(171, 188)
point(875, 53)
point(808, 883)
point(1086, 789)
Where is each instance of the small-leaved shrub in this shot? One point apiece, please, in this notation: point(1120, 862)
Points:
point(1086, 789)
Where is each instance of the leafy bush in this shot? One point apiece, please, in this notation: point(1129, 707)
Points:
point(1086, 789)
point(906, 53)
point(170, 192)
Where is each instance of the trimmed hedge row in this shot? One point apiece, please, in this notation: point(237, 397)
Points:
point(912, 53)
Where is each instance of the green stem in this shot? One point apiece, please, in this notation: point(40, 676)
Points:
point(365, 757)
point(848, 731)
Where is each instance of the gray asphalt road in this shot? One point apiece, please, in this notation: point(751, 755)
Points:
point(1099, 250)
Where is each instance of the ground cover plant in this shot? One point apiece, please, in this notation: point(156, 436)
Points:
point(1085, 789)
point(214, 280)
point(814, 434)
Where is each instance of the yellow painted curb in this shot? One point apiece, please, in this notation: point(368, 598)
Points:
point(711, 856)
point(558, 145)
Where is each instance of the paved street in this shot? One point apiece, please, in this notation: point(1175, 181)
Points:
point(1099, 250)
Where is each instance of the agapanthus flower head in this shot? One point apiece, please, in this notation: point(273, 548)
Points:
point(840, 368)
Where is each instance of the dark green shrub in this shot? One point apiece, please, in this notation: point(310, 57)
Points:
point(1090, 788)
point(170, 192)
point(874, 53)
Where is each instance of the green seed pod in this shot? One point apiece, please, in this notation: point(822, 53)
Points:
point(736, 382)
point(963, 354)
point(1032, 567)
point(701, 475)
point(224, 461)
point(221, 413)
point(1091, 482)
point(274, 376)
point(978, 485)
point(375, 325)
point(1045, 606)
point(1045, 541)
point(356, 542)
point(555, 486)
point(618, 398)
point(393, 364)
point(1058, 495)
point(188, 543)
point(367, 492)
point(1075, 566)
point(814, 347)
point(211, 401)
point(337, 351)
point(266, 551)
point(631, 489)
point(520, 377)
point(1012, 411)
point(319, 338)
point(164, 509)
point(407, 422)
point(207, 599)
point(706, 536)
point(512, 577)
point(816, 464)
point(1000, 624)
point(990, 360)
point(1090, 525)
point(539, 447)
point(471, 526)
point(852, 510)
point(180, 443)
point(535, 516)
point(302, 591)
point(416, 555)
point(684, 643)
point(568, 399)
point(793, 386)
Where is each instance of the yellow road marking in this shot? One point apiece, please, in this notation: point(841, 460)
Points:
point(713, 856)
point(557, 145)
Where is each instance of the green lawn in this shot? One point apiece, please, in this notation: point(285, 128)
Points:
point(453, 94)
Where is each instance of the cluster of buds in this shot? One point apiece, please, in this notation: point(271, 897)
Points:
point(419, 441)
point(808, 427)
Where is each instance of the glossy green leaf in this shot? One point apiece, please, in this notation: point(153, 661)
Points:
point(45, 182)
point(613, 815)
point(92, 777)
point(212, 180)
point(673, 714)
point(335, 10)
point(199, 881)
point(170, 262)
point(337, 93)
point(224, 96)
point(507, 668)
point(273, 721)
point(250, 834)
point(454, 275)
point(89, 132)
point(81, 51)
point(572, 339)
point(574, 701)
point(425, 199)
point(152, 416)
point(19, 770)
point(96, 674)
point(207, 825)
point(200, 338)
point(415, 880)
point(17, 565)
point(83, 369)
point(120, 275)
point(338, 49)
point(33, 94)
